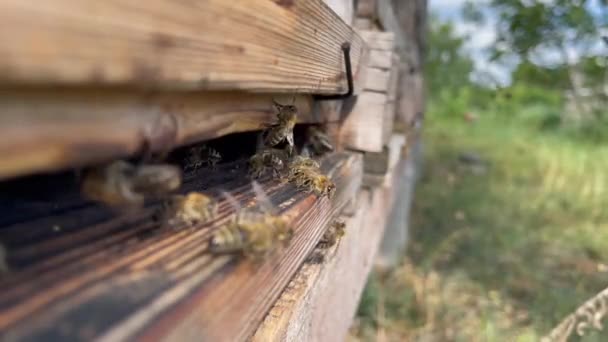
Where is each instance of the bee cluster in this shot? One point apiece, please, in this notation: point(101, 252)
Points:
point(300, 170)
point(254, 232)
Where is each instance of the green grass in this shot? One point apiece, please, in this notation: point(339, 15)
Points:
point(500, 255)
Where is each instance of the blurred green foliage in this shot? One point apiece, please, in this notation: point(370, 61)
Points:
point(504, 248)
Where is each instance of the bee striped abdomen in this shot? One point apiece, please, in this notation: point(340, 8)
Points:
point(276, 134)
point(228, 239)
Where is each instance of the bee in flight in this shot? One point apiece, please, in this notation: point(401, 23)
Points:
point(256, 232)
point(287, 116)
point(318, 143)
point(189, 209)
point(268, 158)
point(123, 184)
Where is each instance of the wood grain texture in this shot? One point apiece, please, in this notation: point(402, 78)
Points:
point(87, 273)
point(259, 45)
point(48, 130)
point(321, 300)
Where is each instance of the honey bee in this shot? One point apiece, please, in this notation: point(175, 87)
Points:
point(282, 130)
point(123, 184)
point(305, 174)
point(318, 142)
point(190, 209)
point(335, 231)
point(269, 158)
point(256, 232)
point(199, 156)
point(304, 162)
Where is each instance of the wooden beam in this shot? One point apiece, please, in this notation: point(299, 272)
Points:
point(258, 45)
point(377, 79)
point(377, 165)
point(98, 276)
point(386, 14)
point(378, 40)
point(343, 8)
point(321, 300)
point(396, 231)
point(362, 128)
point(54, 129)
point(366, 8)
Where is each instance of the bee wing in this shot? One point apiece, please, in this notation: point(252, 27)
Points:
point(305, 151)
point(263, 200)
point(233, 202)
point(289, 138)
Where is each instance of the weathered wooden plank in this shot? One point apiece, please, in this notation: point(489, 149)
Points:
point(362, 128)
point(261, 45)
point(380, 59)
point(378, 40)
point(321, 300)
point(117, 278)
point(363, 23)
point(343, 8)
point(366, 8)
point(377, 80)
point(386, 14)
point(377, 165)
point(396, 232)
point(47, 130)
point(393, 83)
point(389, 121)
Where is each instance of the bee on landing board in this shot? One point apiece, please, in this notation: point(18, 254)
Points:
point(256, 232)
point(199, 156)
point(190, 209)
point(287, 116)
point(335, 231)
point(123, 184)
point(305, 174)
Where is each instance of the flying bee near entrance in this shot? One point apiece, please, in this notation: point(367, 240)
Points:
point(123, 184)
point(256, 232)
point(190, 209)
point(268, 158)
point(317, 142)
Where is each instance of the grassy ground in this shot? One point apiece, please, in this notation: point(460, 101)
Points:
point(501, 249)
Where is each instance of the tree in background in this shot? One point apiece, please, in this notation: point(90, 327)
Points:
point(557, 42)
point(448, 68)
